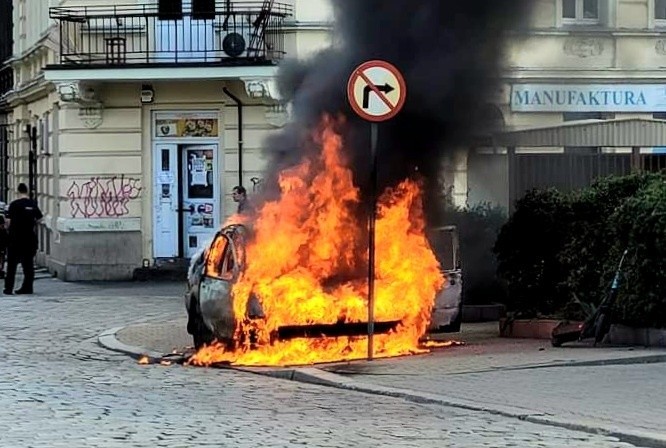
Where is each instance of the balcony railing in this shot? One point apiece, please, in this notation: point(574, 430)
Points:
point(199, 32)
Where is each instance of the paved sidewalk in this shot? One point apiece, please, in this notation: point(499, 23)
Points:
point(608, 390)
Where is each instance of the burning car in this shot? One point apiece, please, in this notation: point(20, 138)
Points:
point(292, 289)
point(214, 271)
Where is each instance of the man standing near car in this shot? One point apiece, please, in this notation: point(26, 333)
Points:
point(22, 217)
point(239, 195)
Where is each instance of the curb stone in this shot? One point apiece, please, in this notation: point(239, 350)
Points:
point(641, 359)
point(108, 340)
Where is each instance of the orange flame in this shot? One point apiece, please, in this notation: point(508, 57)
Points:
point(307, 264)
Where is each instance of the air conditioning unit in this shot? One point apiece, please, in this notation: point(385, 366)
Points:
point(237, 32)
point(234, 44)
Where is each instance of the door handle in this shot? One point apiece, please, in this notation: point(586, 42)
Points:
point(189, 209)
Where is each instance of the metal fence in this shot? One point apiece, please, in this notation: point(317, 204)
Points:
point(570, 171)
point(213, 33)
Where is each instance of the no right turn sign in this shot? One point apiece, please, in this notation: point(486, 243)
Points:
point(376, 91)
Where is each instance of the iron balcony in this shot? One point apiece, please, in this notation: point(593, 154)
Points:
point(170, 33)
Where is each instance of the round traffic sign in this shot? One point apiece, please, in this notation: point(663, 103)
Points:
point(376, 91)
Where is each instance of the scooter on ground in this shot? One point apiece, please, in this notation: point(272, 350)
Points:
point(597, 325)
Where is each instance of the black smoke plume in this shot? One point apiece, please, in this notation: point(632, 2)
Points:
point(450, 53)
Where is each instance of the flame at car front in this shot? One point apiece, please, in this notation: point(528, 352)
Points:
point(307, 265)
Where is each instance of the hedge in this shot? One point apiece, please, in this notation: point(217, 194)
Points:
point(559, 249)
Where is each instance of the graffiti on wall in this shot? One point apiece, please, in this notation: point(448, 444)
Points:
point(103, 197)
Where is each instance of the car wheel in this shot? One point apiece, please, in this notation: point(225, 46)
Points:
point(203, 337)
point(201, 334)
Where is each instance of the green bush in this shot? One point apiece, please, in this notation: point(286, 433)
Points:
point(560, 248)
point(527, 249)
point(642, 220)
point(594, 241)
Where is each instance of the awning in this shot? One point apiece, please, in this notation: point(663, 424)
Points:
point(628, 132)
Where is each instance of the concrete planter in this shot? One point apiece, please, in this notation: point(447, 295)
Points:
point(648, 337)
point(482, 313)
point(527, 328)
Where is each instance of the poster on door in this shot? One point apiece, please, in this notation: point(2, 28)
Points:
point(202, 216)
point(200, 188)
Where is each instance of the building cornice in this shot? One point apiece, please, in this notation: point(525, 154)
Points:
point(59, 73)
point(292, 26)
point(589, 31)
point(37, 88)
point(37, 47)
point(608, 75)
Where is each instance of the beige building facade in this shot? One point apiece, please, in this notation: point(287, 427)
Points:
point(125, 118)
point(576, 61)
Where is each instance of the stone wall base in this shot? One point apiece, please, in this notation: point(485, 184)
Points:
point(648, 337)
point(95, 256)
point(527, 328)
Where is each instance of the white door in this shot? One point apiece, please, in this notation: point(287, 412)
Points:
point(200, 196)
point(185, 39)
point(165, 201)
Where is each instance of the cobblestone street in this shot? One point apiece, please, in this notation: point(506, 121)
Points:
point(59, 388)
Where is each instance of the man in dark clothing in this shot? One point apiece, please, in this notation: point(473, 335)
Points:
point(22, 216)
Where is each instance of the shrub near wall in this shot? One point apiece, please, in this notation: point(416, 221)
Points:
point(642, 221)
point(595, 241)
point(560, 247)
point(527, 251)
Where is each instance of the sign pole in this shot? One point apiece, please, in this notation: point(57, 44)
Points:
point(376, 91)
point(372, 218)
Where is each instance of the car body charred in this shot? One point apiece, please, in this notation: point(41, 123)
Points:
point(214, 271)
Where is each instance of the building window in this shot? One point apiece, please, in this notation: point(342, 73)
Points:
point(580, 11)
point(660, 11)
point(45, 134)
point(170, 10)
point(203, 9)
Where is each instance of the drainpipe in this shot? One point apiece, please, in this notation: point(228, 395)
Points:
point(240, 134)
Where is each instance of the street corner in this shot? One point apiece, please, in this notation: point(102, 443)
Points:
point(164, 341)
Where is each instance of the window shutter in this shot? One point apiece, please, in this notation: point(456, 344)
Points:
point(170, 9)
point(203, 9)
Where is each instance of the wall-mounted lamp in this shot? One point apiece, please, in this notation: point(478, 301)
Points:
point(256, 90)
point(68, 92)
point(147, 93)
